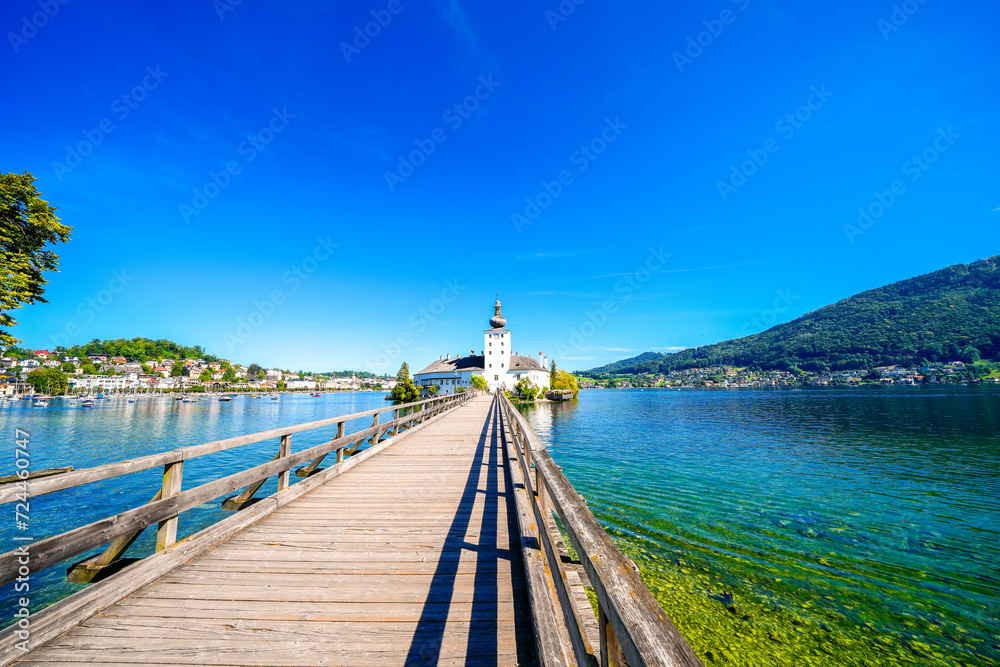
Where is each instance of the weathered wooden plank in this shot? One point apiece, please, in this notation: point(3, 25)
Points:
point(503, 611)
point(34, 474)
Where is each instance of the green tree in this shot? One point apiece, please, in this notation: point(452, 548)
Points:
point(229, 375)
point(27, 225)
point(432, 390)
point(565, 380)
point(176, 370)
point(479, 382)
point(88, 368)
point(146, 369)
point(552, 374)
point(68, 367)
point(525, 390)
point(281, 385)
point(48, 380)
point(405, 391)
point(206, 376)
point(403, 374)
point(254, 372)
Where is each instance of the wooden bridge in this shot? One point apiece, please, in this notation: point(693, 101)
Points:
point(434, 544)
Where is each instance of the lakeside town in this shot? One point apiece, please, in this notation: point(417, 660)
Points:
point(100, 373)
point(951, 372)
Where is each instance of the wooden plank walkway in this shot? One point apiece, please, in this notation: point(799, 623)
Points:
point(411, 558)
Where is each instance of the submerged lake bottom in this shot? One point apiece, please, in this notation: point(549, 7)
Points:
point(801, 527)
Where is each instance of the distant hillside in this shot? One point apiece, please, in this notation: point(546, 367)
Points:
point(951, 314)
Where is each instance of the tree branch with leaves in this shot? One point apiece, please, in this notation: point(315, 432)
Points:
point(27, 225)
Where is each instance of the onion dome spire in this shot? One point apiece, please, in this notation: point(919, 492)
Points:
point(497, 322)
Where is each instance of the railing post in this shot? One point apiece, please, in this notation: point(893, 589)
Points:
point(283, 451)
point(340, 434)
point(166, 533)
point(395, 416)
point(611, 651)
point(374, 438)
point(540, 490)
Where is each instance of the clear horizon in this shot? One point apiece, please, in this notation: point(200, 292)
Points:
point(280, 188)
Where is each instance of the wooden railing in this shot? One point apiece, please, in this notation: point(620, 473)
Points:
point(634, 631)
point(122, 529)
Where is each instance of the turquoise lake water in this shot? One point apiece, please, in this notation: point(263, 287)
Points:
point(787, 527)
point(783, 527)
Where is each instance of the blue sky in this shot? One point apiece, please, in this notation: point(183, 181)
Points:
point(250, 197)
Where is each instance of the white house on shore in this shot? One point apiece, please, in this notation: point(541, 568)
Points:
point(497, 363)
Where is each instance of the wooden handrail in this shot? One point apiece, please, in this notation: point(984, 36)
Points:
point(68, 480)
point(165, 508)
point(634, 629)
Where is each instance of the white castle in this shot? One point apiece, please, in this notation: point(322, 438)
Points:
point(501, 367)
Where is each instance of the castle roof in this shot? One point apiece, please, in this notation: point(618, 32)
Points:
point(476, 363)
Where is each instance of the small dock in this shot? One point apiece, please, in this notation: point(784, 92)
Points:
point(422, 549)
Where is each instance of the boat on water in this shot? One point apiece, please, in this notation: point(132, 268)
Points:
point(87, 403)
point(316, 395)
point(225, 399)
point(274, 397)
point(40, 403)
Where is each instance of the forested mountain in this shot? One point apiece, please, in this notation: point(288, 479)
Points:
point(949, 315)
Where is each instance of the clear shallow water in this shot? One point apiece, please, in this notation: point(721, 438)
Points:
point(820, 527)
point(62, 435)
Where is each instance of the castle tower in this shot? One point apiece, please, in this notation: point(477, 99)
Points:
point(497, 351)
